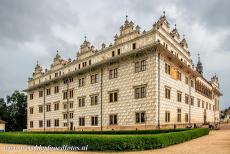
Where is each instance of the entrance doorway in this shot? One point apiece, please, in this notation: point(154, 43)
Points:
point(71, 125)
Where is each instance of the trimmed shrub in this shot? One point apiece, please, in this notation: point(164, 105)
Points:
point(105, 142)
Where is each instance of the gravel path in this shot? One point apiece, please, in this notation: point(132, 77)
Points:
point(217, 142)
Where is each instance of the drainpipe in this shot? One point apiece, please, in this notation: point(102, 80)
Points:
point(158, 74)
point(67, 103)
point(189, 101)
point(101, 95)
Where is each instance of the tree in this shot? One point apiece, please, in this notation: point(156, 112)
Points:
point(14, 111)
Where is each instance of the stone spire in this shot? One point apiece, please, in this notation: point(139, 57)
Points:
point(162, 22)
point(37, 70)
point(184, 43)
point(174, 33)
point(199, 66)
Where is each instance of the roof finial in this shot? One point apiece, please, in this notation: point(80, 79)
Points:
point(183, 36)
point(37, 62)
point(175, 26)
point(198, 56)
point(85, 38)
point(164, 13)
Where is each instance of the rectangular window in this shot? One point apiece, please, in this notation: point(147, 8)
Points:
point(48, 107)
point(113, 96)
point(48, 91)
point(71, 115)
point(94, 78)
point(71, 93)
point(64, 115)
point(31, 124)
point(113, 119)
point(167, 92)
point(118, 51)
point(64, 105)
point(70, 105)
point(178, 75)
point(192, 101)
point(56, 106)
point(40, 93)
point(167, 116)
point(178, 115)
point(140, 92)
point(94, 99)
point(40, 108)
point(81, 102)
point(65, 95)
point(186, 80)
point(56, 89)
point(94, 120)
point(31, 110)
point(113, 73)
point(134, 46)
point(113, 53)
point(140, 117)
point(198, 102)
point(48, 123)
point(31, 96)
point(186, 99)
point(179, 95)
point(186, 117)
point(40, 123)
point(56, 122)
point(81, 82)
point(206, 105)
point(202, 104)
point(192, 83)
point(140, 66)
point(167, 68)
point(82, 121)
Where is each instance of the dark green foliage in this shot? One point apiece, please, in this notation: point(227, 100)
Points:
point(105, 142)
point(117, 132)
point(13, 111)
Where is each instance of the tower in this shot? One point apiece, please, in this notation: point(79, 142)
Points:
point(199, 66)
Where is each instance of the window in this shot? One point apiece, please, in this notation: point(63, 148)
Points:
point(186, 80)
point(65, 95)
point(48, 91)
point(94, 120)
point(192, 83)
point(82, 121)
point(167, 92)
point(118, 51)
point(71, 115)
point(113, 119)
point(113, 53)
point(113, 73)
point(167, 68)
point(79, 66)
point(140, 117)
point(113, 96)
point(178, 75)
point(209, 106)
point(56, 122)
point(89, 62)
point(81, 82)
point(48, 123)
point(202, 104)
point(140, 66)
point(179, 94)
point(198, 102)
point(56, 89)
point(31, 124)
point(178, 115)
point(94, 99)
point(48, 107)
point(56, 106)
point(186, 99)
point(40, 94)
point(70, 105)
point(31, 96)
point(31, 110)
point(56, 74)
point(64, 105)
point(186, 117)
point(40, 123)
point(64, 115)
point(167, 116)
point(70, 79)
point(140, 92)
point(65, 124)
point(192, 101)
point(71, 93)
point(81, 102)
point(134, 46)
point(94, 78)
point(84, 64)
point(40, 108)
point(206, 105)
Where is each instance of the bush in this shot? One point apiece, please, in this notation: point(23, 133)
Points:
point(116, 132)
point(105, 142)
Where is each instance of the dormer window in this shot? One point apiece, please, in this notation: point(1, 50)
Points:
point(79, 66)
point(134, 46)
point(89, 62)
point(56, 74)
point(113, 53)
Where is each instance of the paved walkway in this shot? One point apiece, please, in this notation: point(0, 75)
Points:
point(217, 142)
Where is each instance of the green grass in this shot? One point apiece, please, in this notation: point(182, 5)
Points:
point(123, 142)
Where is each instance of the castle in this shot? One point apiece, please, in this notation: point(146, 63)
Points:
point(143, 80)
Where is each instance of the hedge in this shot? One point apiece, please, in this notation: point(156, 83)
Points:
point(105, 142)
point(158, 131)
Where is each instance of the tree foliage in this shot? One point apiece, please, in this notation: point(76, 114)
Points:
point(13, 111)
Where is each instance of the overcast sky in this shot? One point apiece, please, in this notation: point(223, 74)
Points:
point(34, 30)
